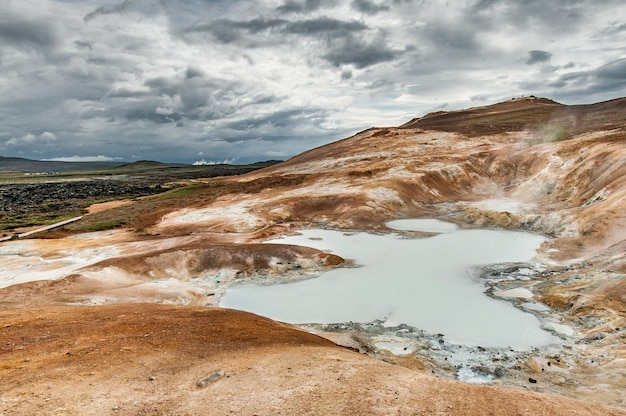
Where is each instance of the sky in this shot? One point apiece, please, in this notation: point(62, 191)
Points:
point(240, 81)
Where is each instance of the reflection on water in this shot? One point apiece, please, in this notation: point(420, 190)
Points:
point(419, 282)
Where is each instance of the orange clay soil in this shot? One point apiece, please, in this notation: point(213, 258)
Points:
point(147, 359)
point(103, 206)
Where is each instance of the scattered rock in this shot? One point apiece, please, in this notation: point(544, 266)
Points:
point(211, 378)
point(500, 372)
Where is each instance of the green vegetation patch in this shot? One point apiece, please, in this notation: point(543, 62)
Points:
point(105, 225)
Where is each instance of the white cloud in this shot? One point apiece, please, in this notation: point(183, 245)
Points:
point(99, 158)
point(31, 139)
point(276, 153)
point(48, 136)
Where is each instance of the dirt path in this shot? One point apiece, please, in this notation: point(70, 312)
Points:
point(95, 208)
point(21, 233)
point(42, 229)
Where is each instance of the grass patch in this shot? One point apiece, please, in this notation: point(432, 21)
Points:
point(105, 225)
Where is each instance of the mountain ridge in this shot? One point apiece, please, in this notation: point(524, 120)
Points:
point(522, 113)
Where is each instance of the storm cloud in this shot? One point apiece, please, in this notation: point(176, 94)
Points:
point(535, 57)
point(245, 81)
point(368, 7)
point(292, 6)
point(20, 32)
point(360, 53)
point(108, 9)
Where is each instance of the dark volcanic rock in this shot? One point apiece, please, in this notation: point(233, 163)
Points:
point(40, 201)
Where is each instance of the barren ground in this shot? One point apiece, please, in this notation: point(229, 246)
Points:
point(154, 359)
point(84, 329)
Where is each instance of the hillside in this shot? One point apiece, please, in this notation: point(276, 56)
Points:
point(528, 164)
point(532, 113)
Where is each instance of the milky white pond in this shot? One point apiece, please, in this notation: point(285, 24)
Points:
point(421, 282)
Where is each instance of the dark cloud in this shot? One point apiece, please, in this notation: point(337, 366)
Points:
point(292, 6)
point(382, 84)
point(280, 120)
point(360, 53)
point(241, 79)
point(108, 9)
point(152, 116)
point(32, 34)
point(558, 17)
point(81, 44)
point(458, 38)
point(197, 97)
point(614, 29)
point(193, 73)
point(336, 42)
point(324, 25)
point(479, 98)
point(223, 30)
point(190, 96)
point(227, 31)
point(484, 4)
point(368, 7)
point(593, 83)
point(613, 71)
point(258, 25)
point(536, 56)
point(125, 93)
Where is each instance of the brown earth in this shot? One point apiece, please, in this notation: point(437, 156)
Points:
point(153, 359)
point(103, 206)
point(564, 165)
point(134, 278)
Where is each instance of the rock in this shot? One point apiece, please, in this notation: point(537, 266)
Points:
point(211, 378)
point(532, 380)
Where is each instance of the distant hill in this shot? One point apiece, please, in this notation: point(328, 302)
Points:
point(18, 164)
point(525, 113)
